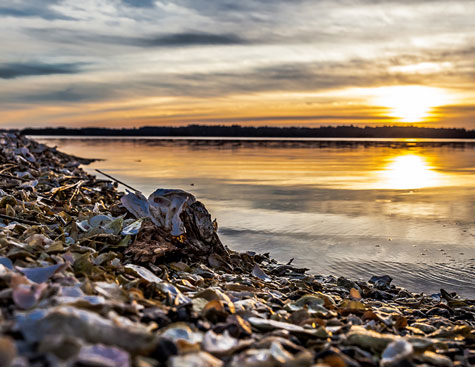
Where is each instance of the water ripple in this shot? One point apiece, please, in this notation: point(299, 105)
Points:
point(458, 276)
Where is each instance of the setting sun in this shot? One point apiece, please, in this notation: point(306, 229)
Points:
point(411, 103)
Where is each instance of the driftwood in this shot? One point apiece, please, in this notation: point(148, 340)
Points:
point(155, 244)
point(152, 243)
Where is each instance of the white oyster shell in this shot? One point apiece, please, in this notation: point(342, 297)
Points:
point(163, 206)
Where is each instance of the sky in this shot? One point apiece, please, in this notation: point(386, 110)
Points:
point(126, 63)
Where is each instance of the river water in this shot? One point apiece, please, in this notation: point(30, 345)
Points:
point(337, 206)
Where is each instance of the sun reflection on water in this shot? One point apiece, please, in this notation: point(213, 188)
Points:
point(409, 171)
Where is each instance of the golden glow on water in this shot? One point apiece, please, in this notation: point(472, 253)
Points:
point(411, 103)
point(409, 171)
point(404, 165)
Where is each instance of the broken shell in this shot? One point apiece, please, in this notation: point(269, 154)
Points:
point(133, 228)
point(163, 206)
point(41, 274)
point(435, 359)
point(259, 273)
point(86, 325)
point(311, 303)
point(181, 331)
point(103, 356)
point(5, 261)
point(395, 352)
point(368, 339)
point(8, 351)
point(144, 273)
point(200, 359)
point(221, 344)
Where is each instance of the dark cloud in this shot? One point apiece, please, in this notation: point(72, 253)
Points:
point(140, 3)
point(194, 39)
point(184, 39)
point(17, 70)
point(231, 8)
point(67, 95)
point(33, 9)
point(226, 6)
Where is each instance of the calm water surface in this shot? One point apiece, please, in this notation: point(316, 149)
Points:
point(352, 208)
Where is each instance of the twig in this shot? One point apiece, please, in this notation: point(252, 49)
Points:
point(76, 191)
point(45, 199)
point(116, 180)
point(19, 220)
point(14, 178)
point(94, 182)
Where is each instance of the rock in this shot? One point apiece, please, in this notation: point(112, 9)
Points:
point(381, 282)
point(347, 283)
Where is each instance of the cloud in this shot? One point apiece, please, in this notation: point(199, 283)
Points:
point(313, 77)
point(231, 8)
point(33, 9)
point(193, 39)
point(456, 110)
point(17, 70)
point(284, 77)
point(140, 3)
point(179, 39)
point(68, 95)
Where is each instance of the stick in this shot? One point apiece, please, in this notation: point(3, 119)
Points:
point(116, 180)
point(15, 178)
point(19, 220)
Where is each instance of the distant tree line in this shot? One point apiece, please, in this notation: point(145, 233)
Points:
point(349, 131)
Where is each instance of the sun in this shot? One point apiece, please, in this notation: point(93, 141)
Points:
point(411, 103)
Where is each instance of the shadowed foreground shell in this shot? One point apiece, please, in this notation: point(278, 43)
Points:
point(200, 359)
point(85, 325)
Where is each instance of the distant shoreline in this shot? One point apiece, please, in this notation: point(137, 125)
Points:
point(236, 131)
point(241, 139)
